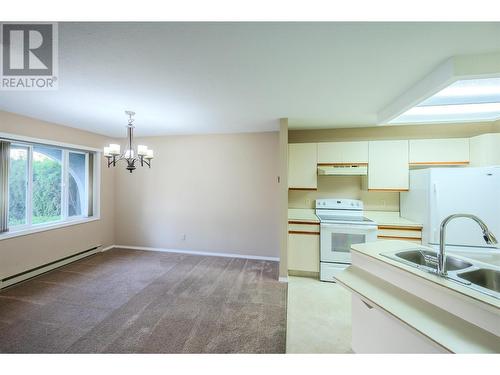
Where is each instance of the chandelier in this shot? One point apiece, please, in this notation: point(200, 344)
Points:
point(131, 156)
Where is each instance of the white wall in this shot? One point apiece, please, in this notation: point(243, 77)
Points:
point(221, 191)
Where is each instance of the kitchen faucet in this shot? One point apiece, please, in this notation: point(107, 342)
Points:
point(489, 238)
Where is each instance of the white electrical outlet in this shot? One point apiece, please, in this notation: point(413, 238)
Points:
point(184, 237)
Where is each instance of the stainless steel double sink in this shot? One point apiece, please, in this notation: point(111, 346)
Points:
point(484, 280)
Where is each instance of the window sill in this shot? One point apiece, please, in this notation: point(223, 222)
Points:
point(43, 228)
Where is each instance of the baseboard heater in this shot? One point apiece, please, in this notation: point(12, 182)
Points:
point(23, 276)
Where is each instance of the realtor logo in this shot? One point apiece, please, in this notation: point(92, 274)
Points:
point(29, 56)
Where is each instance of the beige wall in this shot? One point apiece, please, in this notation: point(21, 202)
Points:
point(283, 197)
point(344, 187)
point(22, 253)
point(220, 191)
point(393, 132)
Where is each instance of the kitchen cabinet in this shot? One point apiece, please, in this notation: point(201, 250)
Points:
point(452, 151)
point(303, 247)
point(388, 167)
point(302, 164)
point(343, 153)
point(392, 232)
point(485, 150)
point(376, 331)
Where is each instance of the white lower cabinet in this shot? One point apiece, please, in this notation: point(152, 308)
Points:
point(376, 331)
point(303, 252)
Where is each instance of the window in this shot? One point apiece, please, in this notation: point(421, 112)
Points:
point(77, 183)
point(18, 185)
point(48, 185)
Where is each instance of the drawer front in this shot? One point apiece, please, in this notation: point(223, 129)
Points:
point(403, 233)
point(410, 234)
point(414, 240)
point(303, 228)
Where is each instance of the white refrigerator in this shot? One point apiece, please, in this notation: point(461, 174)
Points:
point(435, 193)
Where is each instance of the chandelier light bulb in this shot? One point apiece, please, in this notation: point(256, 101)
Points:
point(114, 149)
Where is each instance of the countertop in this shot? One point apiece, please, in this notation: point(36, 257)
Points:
point(440, 326)
point(382, 218)
point(374, 250)
point(390, 218)
point(302, 214)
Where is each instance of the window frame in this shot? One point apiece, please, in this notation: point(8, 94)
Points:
point(27, 223)
point(66, 220)
point(65, 192)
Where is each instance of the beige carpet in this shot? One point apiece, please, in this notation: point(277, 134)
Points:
point(126, 301)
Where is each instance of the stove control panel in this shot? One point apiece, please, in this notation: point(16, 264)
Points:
point(339, 204)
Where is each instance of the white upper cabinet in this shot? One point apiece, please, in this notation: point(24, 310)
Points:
point(485, 150)
point(439, 151)
point(343, 153)
point(302, 164)
point(388, 167)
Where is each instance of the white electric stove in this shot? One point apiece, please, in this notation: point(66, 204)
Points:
point(342, 224)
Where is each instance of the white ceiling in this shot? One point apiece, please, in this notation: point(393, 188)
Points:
point(184, 78)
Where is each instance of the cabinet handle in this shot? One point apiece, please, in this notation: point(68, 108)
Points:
point(367, 305)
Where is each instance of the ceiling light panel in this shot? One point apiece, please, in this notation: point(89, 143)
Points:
point(463, 100)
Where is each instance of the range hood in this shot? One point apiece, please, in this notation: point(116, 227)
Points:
point(343, 170)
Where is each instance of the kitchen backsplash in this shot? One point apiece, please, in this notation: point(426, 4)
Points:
point(344, 187)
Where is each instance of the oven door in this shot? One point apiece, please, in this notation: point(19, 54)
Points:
point(336, 240)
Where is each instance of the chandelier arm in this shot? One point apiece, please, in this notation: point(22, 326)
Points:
point(113, 160)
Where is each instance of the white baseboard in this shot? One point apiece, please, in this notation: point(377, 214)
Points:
point(108, 248)
point(283, 279)
point(196, 252)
